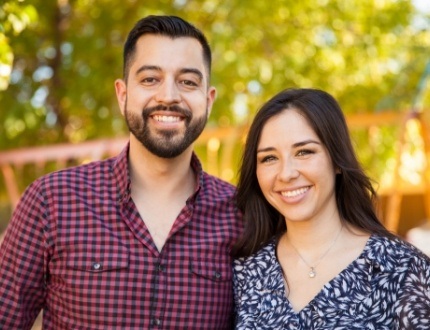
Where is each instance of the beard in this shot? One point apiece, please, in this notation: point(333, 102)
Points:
point(165, 143)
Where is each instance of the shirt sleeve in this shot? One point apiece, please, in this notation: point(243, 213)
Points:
point(414, 302)
point(22, 263)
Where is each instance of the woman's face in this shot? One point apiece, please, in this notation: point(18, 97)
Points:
point(294, 169)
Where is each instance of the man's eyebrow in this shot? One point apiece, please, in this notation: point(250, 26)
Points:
point(193, 71)
point(148, 67)
point(182, 71)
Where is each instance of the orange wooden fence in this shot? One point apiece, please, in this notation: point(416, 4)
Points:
point(219, 149)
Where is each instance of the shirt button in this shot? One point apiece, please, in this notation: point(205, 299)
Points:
point(161, 268)
point(217, 275)
point(156, 322)
point(97, 266)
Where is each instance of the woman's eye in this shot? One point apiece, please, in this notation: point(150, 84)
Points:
point(267, 159)
point(304, 152)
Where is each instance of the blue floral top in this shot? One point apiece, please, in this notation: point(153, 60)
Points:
point(386, 287)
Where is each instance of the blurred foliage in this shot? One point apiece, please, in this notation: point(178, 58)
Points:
point(14, 18)
point(370, 54)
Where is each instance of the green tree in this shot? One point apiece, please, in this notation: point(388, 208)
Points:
point(14, 18)
point(369, 54)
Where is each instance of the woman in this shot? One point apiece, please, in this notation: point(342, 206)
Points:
point(313, 254)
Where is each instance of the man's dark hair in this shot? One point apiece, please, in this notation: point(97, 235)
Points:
point(170, 26)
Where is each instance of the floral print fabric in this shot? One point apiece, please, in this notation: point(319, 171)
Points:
point(387, 287)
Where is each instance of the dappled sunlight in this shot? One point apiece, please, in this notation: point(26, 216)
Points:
point(411, 163)
point(412, 167)
point(59, 69)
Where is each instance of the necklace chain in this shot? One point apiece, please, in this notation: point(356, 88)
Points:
point(312, 272)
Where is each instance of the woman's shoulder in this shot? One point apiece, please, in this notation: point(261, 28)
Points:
point(250, 274)
point(395, 252)
point(261, 259)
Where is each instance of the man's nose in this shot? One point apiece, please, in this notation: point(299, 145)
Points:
point(168, 92)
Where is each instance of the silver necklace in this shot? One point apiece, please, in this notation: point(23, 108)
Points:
point(312, 272)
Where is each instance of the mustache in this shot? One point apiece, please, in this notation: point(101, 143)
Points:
point(173, 108)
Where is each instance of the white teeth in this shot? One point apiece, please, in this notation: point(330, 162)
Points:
point(294, 193)
point(167, 119)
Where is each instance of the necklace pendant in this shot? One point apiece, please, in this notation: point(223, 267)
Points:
point(312, 272)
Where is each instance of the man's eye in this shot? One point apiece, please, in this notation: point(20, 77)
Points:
point(189, 83)
point(148, 80)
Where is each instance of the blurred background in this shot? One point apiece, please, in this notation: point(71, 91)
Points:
point(59, 60)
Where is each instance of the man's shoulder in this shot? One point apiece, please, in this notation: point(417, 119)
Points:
point(216, 188)
point(218, 182)
point(94, 171)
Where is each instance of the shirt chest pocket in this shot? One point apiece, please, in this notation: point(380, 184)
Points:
point(98, 258)
point(212, 270)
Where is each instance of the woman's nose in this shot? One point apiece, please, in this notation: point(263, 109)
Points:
point(288, 170)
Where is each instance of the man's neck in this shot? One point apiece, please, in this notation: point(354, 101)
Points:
point(149, 172)
point(160, 188)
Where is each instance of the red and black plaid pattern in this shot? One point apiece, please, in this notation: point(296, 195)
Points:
point(77, 248)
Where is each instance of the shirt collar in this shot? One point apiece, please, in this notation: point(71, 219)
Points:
point(198, 170)
point(121, 174)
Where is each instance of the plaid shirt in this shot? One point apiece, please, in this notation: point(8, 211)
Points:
point(77, 248)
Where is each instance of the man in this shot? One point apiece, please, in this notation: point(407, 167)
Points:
point(141, 240)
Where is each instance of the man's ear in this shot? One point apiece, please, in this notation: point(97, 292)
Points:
point(121, 94)
point(212, 93)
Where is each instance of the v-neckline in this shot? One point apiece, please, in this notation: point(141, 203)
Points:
point(327, 285)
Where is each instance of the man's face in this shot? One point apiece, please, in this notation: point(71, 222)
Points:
point(166, 100)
